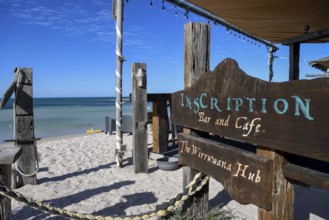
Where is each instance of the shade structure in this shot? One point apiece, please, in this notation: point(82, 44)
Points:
point(273, 20)
point(321, 64)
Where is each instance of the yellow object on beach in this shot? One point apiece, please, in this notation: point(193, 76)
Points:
point(93, 131)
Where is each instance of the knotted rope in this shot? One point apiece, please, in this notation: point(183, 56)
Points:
point(161, 210)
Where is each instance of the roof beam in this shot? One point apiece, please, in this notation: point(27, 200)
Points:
point(307, 37)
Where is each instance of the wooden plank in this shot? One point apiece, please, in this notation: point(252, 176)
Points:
point(294, 54)
point(246, 177)
point(155, 97)
point(160, 123)
point(8, 155)
point(308, 37)
point(289, 116)
point(139, 100)
point(307, 176)
point(24, 129)
point(196, 63)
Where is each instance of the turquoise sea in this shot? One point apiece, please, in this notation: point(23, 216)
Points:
point(64, 116)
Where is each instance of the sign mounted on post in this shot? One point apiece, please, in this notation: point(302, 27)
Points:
point(290, 116)
point(246, 177)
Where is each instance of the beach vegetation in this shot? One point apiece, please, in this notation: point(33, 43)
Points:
point(215, 213)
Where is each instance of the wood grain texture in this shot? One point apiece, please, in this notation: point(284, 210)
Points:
point(160, 122)
point(246, 177)
point(9, 155)
point(307, 176)
point(196, 63)
point(283, 195)
point(5, 203)
point(139, 100)
point(274, 119)
point(24, 128)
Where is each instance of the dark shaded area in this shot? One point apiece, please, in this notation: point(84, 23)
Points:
point(69, 200)
point(84, 195)
point(136, 199)
point(126, 162)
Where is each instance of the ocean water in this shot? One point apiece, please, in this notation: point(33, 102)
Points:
point(64, 116)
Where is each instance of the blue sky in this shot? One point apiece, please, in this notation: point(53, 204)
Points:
point(71, 47)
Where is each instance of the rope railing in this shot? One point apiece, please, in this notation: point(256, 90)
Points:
point(161, 210)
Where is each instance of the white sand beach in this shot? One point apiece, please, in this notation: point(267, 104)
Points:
point(79, 173)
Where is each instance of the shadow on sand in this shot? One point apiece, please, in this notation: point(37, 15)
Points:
point(126, 162)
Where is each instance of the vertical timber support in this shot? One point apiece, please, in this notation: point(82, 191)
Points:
point(160, 126)
point(139, 100)
point(8, 156)
point(196, 62)
point(5, 203)
point(282, 189)
point(27, 164)
point(294, 54)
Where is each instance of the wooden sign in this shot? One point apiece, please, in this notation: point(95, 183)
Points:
point(290, 116)
point(245, 176)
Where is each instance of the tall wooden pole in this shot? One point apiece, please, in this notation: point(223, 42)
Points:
point(196, 63)
point(139, 100)
point(27, 163)
point(294, 54)
point(118, 101)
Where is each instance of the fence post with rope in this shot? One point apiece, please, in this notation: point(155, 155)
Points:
point(27, 164)
point(8, 156)
point(196, 185)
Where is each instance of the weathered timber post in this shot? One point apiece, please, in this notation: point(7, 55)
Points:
point(139, 100)
point(196, 62)
point(294, 54)
point(160, 126)
point(24, 128)
point(8, 156)
point(160, 120)
point(283, 189)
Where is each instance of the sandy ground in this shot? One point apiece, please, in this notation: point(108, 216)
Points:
point(79, 173)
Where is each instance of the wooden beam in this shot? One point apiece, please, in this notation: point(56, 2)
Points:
point(155, 97)
point(306, 175)
point(24, 129)
point(160, 123)
point(196, 63)
point(294, 54)
point(139, 93)
point(8, 155)
point(307, 37)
